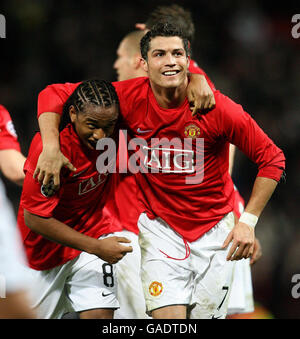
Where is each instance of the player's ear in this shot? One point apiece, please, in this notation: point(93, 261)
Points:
point(72, 113)
point(137, 61)
point(189, 60)
point(144, 64)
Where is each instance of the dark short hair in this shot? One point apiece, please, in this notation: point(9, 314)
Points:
point(173, 14)
point(163, 29)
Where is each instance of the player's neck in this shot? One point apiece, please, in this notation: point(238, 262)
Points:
point(169, 97)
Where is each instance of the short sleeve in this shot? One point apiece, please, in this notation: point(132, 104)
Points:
point(53, 97)
point(32, 198)
point(8, 135)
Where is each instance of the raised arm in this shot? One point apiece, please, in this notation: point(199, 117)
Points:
point(50, 107)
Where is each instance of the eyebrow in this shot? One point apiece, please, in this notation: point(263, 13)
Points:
point(164, 50)
point(92, 120)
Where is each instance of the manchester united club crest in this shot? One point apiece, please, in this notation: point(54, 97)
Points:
point(155, 288)
point(192, 131)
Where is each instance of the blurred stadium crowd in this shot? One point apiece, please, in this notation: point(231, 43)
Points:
point(246, 48)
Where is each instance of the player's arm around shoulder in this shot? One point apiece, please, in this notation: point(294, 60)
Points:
point(50, 107)
point(200, 95)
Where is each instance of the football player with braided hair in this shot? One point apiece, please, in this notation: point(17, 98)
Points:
point(67, 233)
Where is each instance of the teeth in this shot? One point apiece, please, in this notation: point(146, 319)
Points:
point(170, 73)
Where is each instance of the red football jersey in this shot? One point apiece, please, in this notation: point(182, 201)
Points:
point(191, 209)
point(124, 205)
point(8, 136)
point(80, 202)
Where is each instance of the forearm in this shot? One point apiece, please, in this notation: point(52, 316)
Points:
point(262, 191)
point(242, 236)
point(11, 165)
point(199, 94)
point(49, 128)
point(54, 230)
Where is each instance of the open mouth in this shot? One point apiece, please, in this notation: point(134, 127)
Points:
point(170, 73)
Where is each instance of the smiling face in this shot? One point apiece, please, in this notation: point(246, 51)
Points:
point(167, 62)
point(94, 123)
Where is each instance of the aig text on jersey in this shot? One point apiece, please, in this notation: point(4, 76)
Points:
point(182, 156)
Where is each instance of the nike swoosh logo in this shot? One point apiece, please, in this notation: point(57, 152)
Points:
point(77, 174)
point(143, 131)
point(106, 294)
point(213, 317)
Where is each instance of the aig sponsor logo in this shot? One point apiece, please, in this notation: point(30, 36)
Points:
point(90, 184)
point(169, 160)
point(185, 156)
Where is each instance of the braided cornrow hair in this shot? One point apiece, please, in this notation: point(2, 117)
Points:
point(96, 92)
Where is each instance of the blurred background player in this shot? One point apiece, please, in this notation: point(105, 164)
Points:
point(11, 158)
point(64, 232)
point(14, 280)
point(128, 65)
point(14, 283)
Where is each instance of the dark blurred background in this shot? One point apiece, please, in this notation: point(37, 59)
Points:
point(246, 48)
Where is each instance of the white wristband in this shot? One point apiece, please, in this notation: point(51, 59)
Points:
point(249, 219)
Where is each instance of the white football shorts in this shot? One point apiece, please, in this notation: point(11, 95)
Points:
point(177, 272)
point(84, 283)
point(130, 290)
